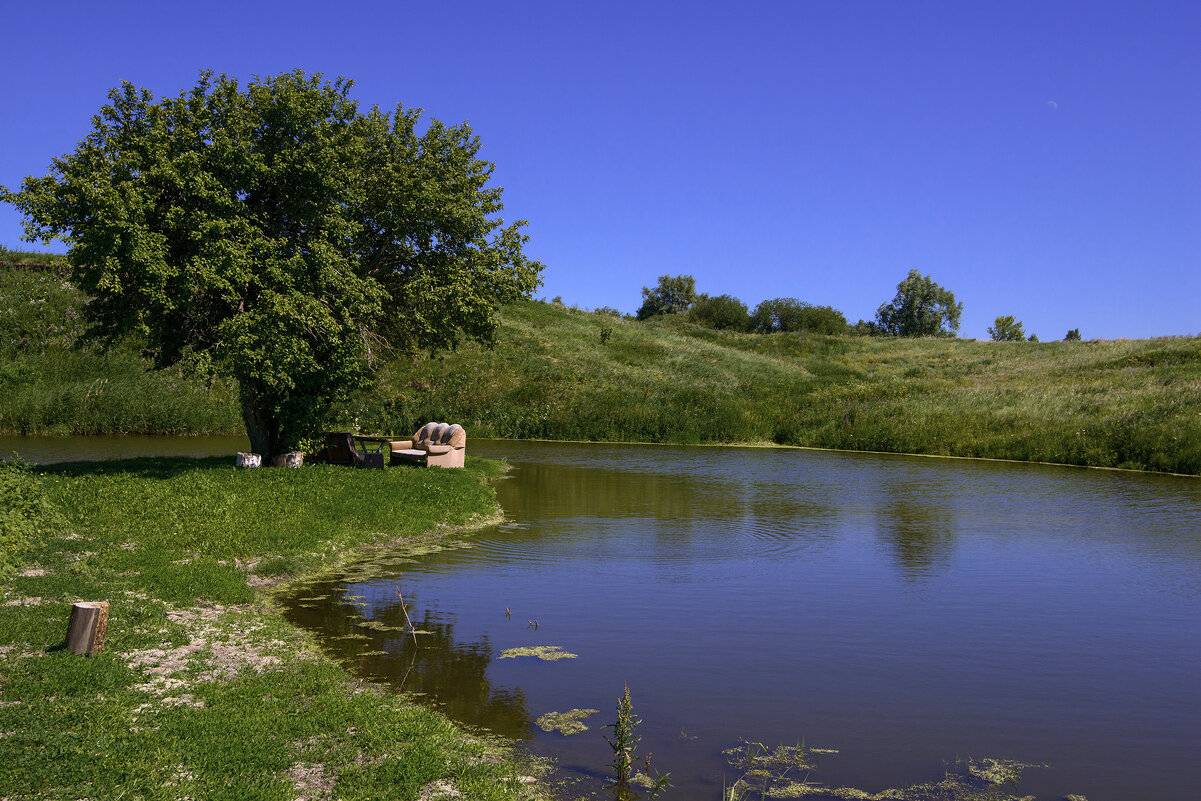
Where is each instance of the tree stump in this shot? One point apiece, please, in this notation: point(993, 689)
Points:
point(87, 626)
point(289, 459)
point(248, 460)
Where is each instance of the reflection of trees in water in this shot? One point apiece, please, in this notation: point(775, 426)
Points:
point(453, 674)
point(921, 535)
point(543, 491)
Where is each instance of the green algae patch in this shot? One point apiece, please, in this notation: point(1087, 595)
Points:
point(375, 625)
point(547, 653)
point(784, 771)
point(566, 723)
point(998, 771)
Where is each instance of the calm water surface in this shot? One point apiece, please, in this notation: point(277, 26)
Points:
point(905, 611)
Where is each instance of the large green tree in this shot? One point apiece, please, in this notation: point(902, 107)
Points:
point(672, 295)
point(280, 234)
point(920, 308)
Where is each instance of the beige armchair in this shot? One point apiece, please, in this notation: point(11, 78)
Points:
point(435, 445)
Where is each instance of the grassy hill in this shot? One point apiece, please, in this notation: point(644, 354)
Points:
point(47, 386)
point(560, 373)
point(1130, 403)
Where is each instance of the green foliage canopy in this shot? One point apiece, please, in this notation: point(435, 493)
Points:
point(672, 295)
point(720, 312)
point(920, 308)
point(280, 235)
point(1007, 329)
point(790, 314)
point(865, 328)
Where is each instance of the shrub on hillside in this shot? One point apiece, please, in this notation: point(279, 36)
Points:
point(1006, 329)
point(822, 320)
point(865, 328)
point(790, 314)
point(722, 312)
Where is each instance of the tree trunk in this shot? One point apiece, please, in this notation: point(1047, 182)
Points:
point(263, 431)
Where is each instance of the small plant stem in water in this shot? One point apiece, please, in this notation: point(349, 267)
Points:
point(405, 609)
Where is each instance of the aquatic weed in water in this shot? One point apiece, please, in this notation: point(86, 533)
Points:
point(625, 746)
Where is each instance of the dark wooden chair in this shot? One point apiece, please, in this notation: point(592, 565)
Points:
point(370, 450)
point(355, 450)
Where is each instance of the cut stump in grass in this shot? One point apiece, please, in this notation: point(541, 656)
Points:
point(87, 626)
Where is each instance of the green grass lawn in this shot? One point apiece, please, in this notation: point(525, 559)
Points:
point(203, 691)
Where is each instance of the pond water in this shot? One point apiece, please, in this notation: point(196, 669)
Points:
point(904, 611)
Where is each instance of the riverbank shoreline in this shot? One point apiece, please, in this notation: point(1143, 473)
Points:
point(203, 690)
point(7, 450)
point(941, 456)
point(568, 375)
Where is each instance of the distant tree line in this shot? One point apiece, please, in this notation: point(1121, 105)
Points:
point(920, 308)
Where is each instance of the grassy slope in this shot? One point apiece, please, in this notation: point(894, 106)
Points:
point(1133, 403)
point(202, 690)
point(1130, 403)
point(48, 386)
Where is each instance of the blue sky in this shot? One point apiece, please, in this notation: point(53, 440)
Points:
point(1039, 159)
